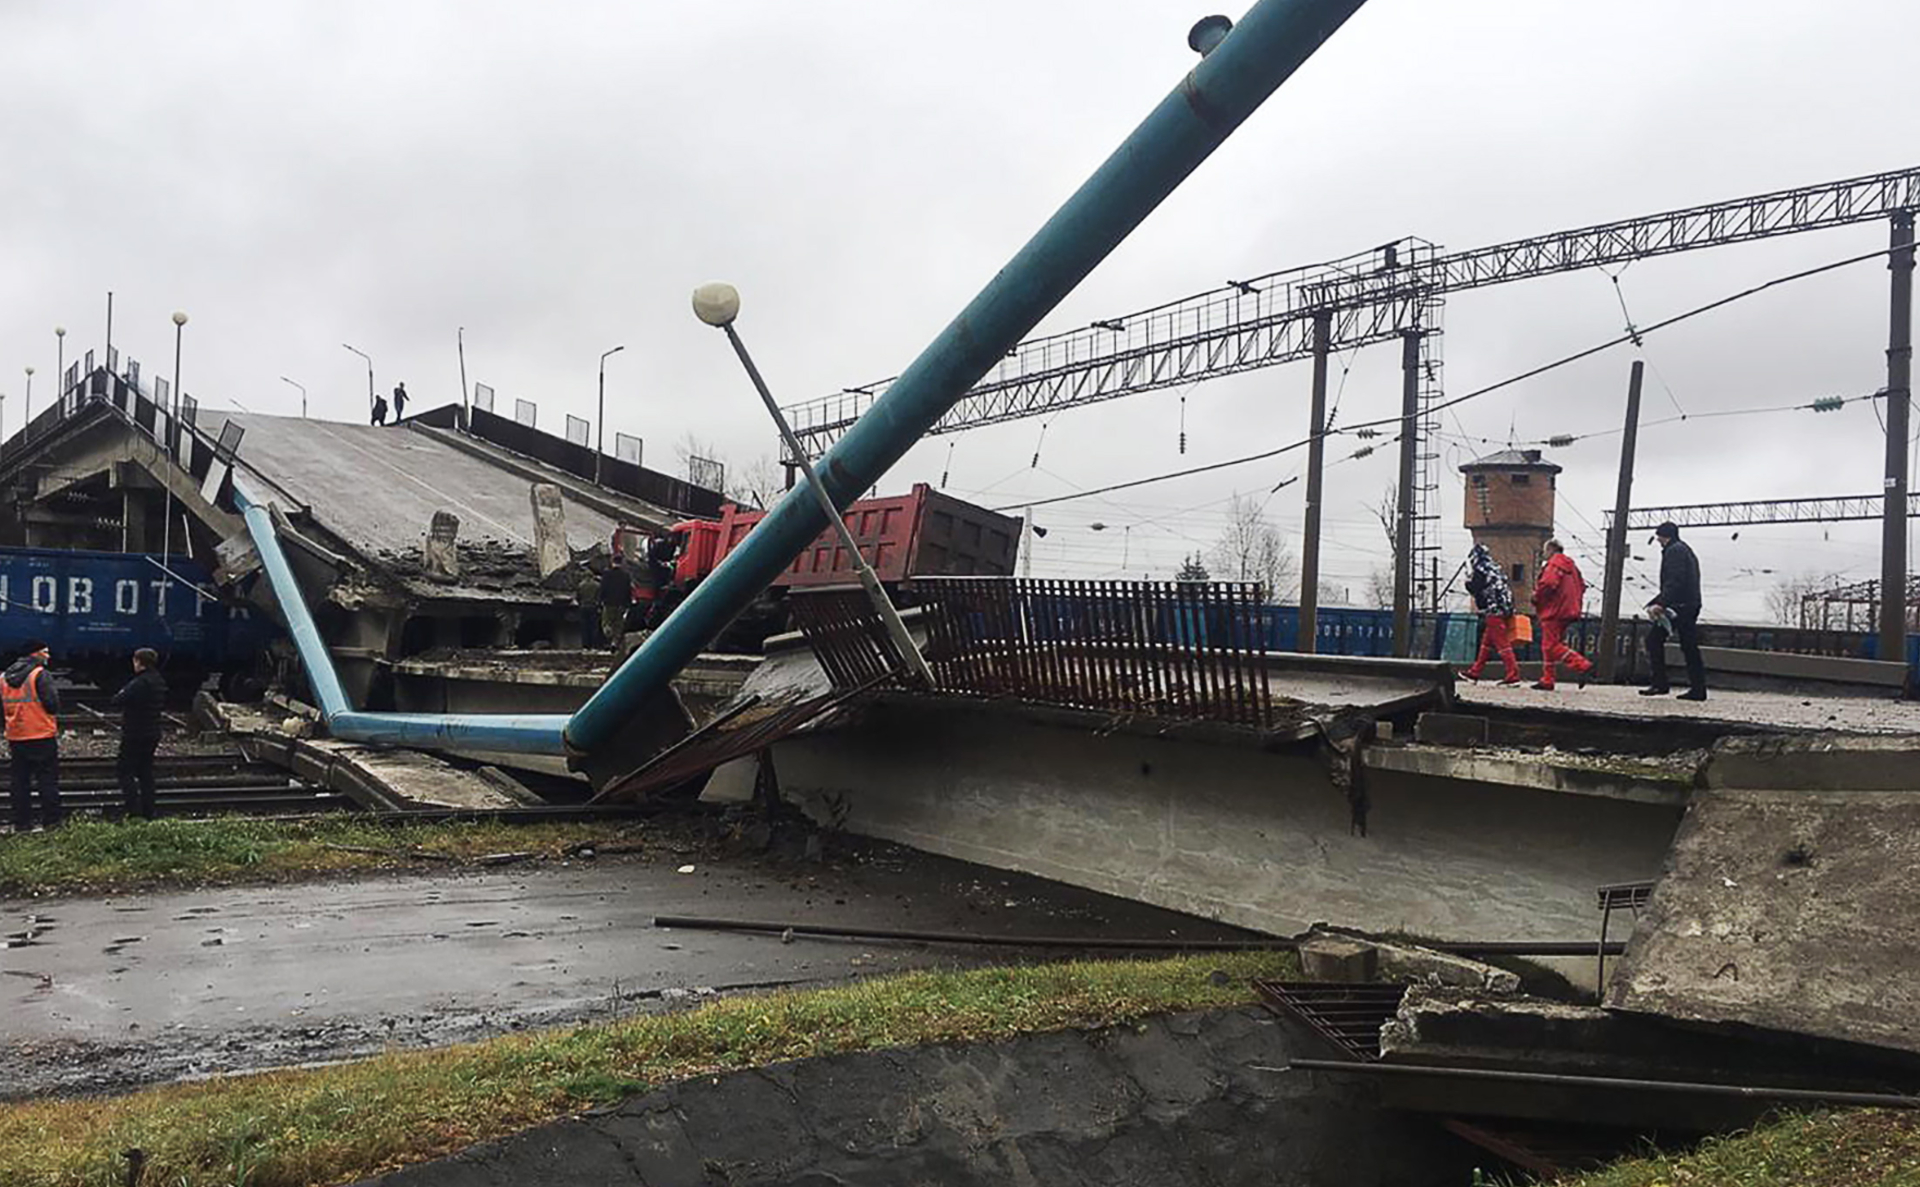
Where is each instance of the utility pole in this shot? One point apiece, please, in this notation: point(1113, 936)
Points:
point(460, 339)
point(1893, 536)
point(1026, 542)
point(1617, 533)
point(1308, 634)
point(1403, 518)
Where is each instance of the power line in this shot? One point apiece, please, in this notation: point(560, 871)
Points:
point(1455, 401)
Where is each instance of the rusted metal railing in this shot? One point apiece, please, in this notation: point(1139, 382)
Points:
point(1189, 650)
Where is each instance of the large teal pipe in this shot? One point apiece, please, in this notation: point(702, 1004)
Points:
point(1230, 82)
point(518, 733)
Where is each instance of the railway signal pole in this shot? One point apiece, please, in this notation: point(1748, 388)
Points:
point(1617, 531)
point(1893, 535)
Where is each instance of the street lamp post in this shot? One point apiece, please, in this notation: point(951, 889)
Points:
point(29, 393)
point(600, 450)
point(60, 367)
point(173, 455)
point(303, 395)
point(363, 354)
point(718, 305)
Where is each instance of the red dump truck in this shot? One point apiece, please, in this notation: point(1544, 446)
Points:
point(919, 534)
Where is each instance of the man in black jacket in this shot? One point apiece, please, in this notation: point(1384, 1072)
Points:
point(1675, 611)
point(141, 702)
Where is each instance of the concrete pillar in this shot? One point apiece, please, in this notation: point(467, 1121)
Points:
point(549, 529)
point(441, 554)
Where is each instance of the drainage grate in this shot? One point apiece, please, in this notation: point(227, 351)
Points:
point(1349, 1013)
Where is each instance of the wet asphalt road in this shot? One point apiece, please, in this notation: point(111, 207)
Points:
point(115, 992)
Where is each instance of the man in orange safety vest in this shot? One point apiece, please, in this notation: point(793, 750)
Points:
point(31, 700)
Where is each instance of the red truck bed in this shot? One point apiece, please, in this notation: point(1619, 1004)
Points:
point(920, 534)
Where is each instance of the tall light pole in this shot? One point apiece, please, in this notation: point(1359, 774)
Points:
point(303, 395)
point(60, 368)
point(363, 354)
point(460, 340)
point(29, 393)
point(173, 455)
point(718, 305)
point(600, 450)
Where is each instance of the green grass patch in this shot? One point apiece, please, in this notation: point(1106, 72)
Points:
point(1863, 1148)
point(338, 1124)
point(95, 855)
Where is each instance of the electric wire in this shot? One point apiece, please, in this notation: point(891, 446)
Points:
point(1510, 381)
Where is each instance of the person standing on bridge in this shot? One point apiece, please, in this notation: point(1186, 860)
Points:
point(1493, 598)
point(379, 410)
point(1559, 597)
point(616, 598)
point(140, 702)
point(1675, 611)
point(400, 399)
point(31, 700)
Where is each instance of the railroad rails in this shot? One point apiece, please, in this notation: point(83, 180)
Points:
point(194, 784)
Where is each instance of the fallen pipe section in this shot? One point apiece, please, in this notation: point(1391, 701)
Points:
point(1238, 70)
point(518, 733)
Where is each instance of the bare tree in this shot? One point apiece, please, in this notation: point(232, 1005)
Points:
point(1380, 578)
point(758, 484)
point(1252, 549)
point(1380, 588)
point(1784, 599)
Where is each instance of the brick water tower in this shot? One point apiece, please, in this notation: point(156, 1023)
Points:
point(1510, 510)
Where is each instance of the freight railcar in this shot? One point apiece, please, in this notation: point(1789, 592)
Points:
point(94, 608)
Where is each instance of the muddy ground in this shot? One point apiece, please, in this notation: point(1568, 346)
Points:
point(117, 992)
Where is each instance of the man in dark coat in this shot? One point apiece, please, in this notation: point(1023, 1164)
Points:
point(1675, 612)
point(379, 410)
point(400, 399)
point(140, 703)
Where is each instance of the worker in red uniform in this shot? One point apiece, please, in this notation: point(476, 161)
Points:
point(30, 701)
point(1493, 598)
point(1559, 597)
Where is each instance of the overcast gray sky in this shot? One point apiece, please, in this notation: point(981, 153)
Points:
point(557, 177)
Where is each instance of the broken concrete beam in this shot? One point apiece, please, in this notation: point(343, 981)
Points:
point(1788, 761)
point(441, 554)
point(1334, 958)
point(1450, 729)
point(1407, 961)
point(1789, 911)
point(549, 529)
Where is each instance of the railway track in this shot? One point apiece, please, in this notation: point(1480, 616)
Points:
point(193, 785)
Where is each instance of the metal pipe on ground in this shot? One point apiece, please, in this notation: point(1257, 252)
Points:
point(1237, 73)
point(1885, 1100)
point(1232, 944)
